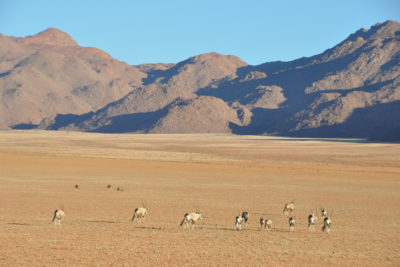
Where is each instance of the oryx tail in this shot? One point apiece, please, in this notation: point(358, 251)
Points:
point(55, 215)
point(184, 219)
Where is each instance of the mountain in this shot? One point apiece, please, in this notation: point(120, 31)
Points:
point(49, 74)
point(351, 90)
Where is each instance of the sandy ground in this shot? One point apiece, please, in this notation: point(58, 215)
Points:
point(219, 174)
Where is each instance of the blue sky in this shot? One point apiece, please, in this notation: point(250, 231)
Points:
point(170, 31)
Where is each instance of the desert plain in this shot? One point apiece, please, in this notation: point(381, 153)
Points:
point(357, 181)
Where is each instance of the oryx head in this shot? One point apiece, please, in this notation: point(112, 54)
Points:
point(323, 212)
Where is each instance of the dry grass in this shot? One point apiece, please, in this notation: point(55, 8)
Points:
point(221, 174)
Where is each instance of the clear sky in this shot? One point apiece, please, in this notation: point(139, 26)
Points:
point(165, 31)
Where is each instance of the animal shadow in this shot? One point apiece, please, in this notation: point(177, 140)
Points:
point(19, 224)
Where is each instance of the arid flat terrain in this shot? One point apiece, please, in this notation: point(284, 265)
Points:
point(358, 182)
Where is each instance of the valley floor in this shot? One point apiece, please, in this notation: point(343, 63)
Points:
point(359, 183)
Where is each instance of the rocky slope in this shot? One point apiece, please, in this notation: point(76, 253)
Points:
point(49, 74)
point(351, 90)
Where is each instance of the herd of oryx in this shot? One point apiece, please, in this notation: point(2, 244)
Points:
point(140, 213)
point(288, 209)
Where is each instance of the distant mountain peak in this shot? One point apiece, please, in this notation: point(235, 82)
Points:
point(388, 24)
point(206, 56)
point(50, 37)
point(387, 29)
point(213, 56)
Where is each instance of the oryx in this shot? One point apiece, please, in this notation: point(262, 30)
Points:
point(140, 214)
point(242, 218)
point(292, 222)
point(289, 207)
point(245, 216)
point(58, 215)
point(312, 219)
point(327, 225)
point(239, 220)
point(323, 212)
point(266, 224)
point(191, 218)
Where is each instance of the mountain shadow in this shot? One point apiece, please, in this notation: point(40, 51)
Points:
point(378, 122)
point(137, 122)
point(24, 126)
point(65, 120)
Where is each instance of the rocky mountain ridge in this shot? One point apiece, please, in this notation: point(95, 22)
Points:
point(351, 90)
